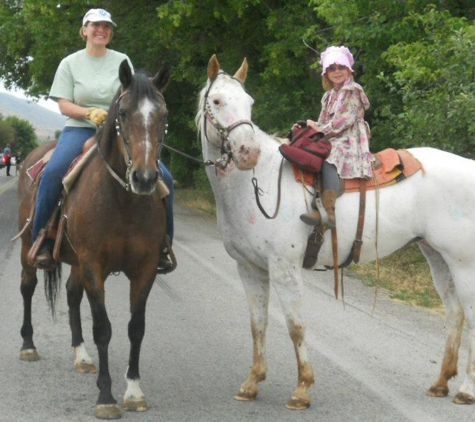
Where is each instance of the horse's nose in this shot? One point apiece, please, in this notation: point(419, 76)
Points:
point(144, 181)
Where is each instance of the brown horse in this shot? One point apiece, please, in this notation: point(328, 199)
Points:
point(115, 221)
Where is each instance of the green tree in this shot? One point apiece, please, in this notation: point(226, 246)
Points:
point(24, 136)
point(415, 99)
point(6, 134)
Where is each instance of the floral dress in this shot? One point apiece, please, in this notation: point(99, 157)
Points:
point(342, 121)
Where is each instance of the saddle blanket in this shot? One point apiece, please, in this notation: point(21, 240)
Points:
point(391, 166)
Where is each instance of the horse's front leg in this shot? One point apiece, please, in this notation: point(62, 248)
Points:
point(256, 286)
point(287, 279)
point(106, 405)
point(83, 362)
point(134, 398)
point(28, 285)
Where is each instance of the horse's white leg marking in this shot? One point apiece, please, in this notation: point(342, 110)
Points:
point(134, 398)
point(443, 282)
point(287, 279)
point(256, 286)
point(83, 362)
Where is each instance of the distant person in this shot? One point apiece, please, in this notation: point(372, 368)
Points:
point(7, 157)
point(18, 161)
point(84, 85)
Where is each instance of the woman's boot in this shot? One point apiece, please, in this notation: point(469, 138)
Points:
point(329, 200)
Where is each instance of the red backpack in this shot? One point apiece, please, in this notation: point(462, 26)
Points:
point(307, 150)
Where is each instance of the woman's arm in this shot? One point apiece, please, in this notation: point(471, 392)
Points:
point(68, 108)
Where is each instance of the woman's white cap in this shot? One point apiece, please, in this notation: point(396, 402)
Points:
point(97, 15)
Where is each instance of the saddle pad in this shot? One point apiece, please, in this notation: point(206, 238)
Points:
point(395, 166)
point(76, 167)
point(36, 168)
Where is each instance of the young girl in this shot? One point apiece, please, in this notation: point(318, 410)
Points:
point(342, 121)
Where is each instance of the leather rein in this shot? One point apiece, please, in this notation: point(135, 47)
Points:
point(126, 144)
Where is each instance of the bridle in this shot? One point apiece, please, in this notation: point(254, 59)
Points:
point(224, 131)
point(126, 144)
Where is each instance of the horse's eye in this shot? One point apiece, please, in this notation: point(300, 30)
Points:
point(122, 113)
point(216, 102)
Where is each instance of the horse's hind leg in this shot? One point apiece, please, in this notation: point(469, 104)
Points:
point(444, 284)
point(28, 285)
point(134, 399)
point(287, 279)
point(83, 362)
point(463, 280)
point(256, 286)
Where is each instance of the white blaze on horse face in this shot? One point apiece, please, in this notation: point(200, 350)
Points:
point(146, 109)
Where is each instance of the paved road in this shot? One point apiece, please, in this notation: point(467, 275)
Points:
point(197, 350)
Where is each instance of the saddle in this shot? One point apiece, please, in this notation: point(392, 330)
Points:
point(390, 167)
point(55, 227)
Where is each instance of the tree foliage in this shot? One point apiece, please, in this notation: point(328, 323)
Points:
point(19, 133)
point(414, 58)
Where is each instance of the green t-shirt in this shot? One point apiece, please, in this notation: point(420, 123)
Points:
point(88, 81)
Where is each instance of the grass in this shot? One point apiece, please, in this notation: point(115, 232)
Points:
point(405, 274)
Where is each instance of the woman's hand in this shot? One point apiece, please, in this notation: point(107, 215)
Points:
point(96, 115)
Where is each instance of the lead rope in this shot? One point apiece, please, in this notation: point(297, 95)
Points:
point(258, 191)
point(376, 184)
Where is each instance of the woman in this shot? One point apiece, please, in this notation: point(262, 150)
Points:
point(84, 85)
point(342, 121)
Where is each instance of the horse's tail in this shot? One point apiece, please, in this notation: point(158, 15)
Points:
point(52, 286)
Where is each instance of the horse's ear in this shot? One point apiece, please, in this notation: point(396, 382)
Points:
point(241, 74)
point(162, 78)
point(213, 67)
point(125, 74)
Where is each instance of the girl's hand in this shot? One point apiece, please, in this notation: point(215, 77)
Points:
point(313, 125)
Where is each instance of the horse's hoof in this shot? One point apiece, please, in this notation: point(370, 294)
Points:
point(298, 403)
point(85, 368)
point(463, 398)
point(107, 411)
point(245, 395)
point(29, 355)
point(438, 391)
point(138, 405)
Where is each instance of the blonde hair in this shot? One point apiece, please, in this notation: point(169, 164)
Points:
point(329, 85)
point(85, 38)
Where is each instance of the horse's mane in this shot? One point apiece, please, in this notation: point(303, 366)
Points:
point(201, 101)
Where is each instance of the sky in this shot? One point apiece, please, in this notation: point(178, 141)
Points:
point(49, 104)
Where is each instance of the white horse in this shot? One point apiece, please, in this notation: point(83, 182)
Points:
point(435, 207)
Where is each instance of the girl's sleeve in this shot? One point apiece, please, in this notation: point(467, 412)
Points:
point(348, 111)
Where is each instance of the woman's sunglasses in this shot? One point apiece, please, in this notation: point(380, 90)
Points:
point(334, 67)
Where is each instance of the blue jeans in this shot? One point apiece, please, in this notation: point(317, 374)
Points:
point(168, 180)
point(69, 146)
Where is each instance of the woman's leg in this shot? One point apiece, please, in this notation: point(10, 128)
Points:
point(68, 148)
point(168, 180)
